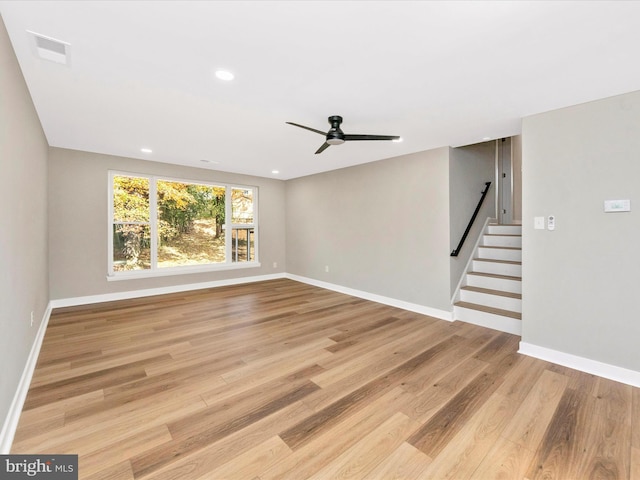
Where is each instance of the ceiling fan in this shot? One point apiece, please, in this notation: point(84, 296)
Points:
point(335, 136)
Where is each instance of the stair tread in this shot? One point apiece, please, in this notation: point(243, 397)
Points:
point(502, 235)
point(490, 291)
point(493, 310)
point(502, 248)
point(495, 275)
point(512, 262)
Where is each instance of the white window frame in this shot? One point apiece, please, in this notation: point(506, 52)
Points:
point(155, 271)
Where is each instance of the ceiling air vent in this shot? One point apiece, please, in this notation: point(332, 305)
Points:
point(51, 49)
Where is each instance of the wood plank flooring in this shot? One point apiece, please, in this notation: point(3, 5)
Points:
point(282, 380)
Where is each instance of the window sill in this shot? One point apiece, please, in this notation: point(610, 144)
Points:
point(165, 272)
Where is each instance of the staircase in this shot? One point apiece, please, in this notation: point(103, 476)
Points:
point(491, 294)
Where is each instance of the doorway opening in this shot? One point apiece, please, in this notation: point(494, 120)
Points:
point(509, 180)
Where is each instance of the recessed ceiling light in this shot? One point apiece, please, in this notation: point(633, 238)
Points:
point(204, 160)
point(225, 75)
point(275, 172)
point(486, 138)
point(398, 140)
point(146, 150)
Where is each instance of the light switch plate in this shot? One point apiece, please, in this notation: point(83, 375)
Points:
point(617, 205)
point(538, 223)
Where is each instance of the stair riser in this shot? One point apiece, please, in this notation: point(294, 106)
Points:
point(500, 254)
point(512, 286)
point(496, 301)
point(501, 241)
point(489, 320)
point(505, 229)
point(498, 268)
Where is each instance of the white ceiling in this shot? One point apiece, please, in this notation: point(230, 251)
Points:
point(436, 73)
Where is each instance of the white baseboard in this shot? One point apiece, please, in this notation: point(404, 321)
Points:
point(110, 297)
point(412, 307)
point(15, 409)
point(605, 370)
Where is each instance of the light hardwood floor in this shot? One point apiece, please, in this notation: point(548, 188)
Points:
point(282, 380)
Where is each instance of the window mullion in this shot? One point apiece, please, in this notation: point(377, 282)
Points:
point(153, 221)
point(227, 225)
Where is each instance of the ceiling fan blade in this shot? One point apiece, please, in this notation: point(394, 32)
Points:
point(324, 146)
point(307, 128)
point(370, 137)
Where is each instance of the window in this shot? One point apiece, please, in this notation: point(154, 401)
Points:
point(243, 237)
point(161, 226)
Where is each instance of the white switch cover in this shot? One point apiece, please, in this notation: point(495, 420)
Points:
point(617, 205)
point(538, 223)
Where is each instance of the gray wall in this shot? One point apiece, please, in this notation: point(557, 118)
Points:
point(469, 169)
point(23, 223)
point(78, 196)
point(382, 228)
point(580, 281)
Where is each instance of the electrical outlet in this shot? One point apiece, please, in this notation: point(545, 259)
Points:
point(32, 319)
point(326, 268)
point(275, 264)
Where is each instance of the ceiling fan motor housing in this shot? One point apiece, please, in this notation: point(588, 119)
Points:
point(335, 136)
